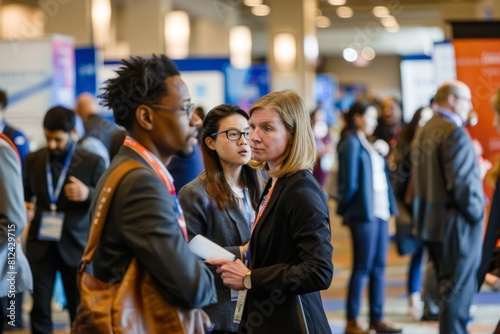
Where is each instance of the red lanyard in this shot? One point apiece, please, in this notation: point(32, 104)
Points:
point(164, 175)
point(263, 206)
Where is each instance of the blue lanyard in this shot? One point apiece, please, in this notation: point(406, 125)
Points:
point(247, 209)
point(55, 192)
point(451, 118)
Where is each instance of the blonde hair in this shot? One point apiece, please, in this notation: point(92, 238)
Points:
point(301, 151)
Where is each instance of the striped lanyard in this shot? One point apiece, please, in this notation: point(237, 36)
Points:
point(164, 175)
point(259, 214)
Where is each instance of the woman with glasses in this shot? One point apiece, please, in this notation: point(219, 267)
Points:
point(220, 203)
point(290, 255)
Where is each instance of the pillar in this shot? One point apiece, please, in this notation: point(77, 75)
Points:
point(144, 26)
point(295, 17)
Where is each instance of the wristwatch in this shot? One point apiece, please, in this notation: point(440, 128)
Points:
point(247, 280)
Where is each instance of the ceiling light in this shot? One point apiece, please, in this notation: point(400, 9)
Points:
point(350, 54)
point(368, 53)
point(240, 46)
point(252, 3)
point(337, 2)
point(388, 21)
point(177, 33)
point(393, 29)
point(285, 51)
point(344, 12)
point(380, 11)
point(322, 22)
point(261, 10)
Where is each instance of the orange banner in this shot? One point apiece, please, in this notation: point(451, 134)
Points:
point(478, 65)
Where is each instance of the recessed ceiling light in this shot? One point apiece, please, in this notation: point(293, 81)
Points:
point(337, 2)
point(350, 54)
point(344, 12)
point(322, 22)
point(393, 29)
point(368, 53)
point(252, 3)
point(261, 10)
point(380, 11)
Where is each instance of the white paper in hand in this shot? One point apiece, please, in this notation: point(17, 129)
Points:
point(208, 250)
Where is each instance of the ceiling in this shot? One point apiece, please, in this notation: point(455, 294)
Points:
point(422, 22)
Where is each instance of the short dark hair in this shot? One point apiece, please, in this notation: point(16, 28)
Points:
point(59, 118)
point(138, 81)
point(3, 99)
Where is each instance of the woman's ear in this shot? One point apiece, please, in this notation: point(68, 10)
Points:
point(144, 116)
point(210, 143)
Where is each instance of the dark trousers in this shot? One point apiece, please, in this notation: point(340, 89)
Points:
point(415, 270)
point(44, 274)
point(369, 249)
point(7, 322)
point(457, 285)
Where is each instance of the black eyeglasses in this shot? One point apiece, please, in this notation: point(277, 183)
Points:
point(187, 108)
point(233, 135)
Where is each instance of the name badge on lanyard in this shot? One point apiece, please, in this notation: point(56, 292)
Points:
point(52, 222)
point(51, 226)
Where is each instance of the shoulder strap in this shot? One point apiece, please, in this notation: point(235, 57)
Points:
point(11, 144)
point(103, 204)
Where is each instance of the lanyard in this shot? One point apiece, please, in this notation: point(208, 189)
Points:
point(164, 175)
point(54, 193)
point(247, 208)
point(257, 219)
point(451, 117)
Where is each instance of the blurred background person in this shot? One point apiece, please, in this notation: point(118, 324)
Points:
point(324, 146)
point(95, 125)
point(448, 203)
point(489, 270)
point(15, 135)
point(220, 204)
point(12, 224)
point(389, 123)
point(366, 203)
point(62, 177)
point(402, 184)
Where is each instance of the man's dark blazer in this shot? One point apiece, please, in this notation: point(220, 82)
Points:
point(448, 210)
point(85, 166)
point(142, 223)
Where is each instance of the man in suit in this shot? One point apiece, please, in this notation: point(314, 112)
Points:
point(62, 178)
point(151, 101)
point(449, 203)
point(15, 272)
point(15, 135)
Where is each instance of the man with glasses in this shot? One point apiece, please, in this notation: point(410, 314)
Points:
point(186, 169)
point(151, 101)
point(448, 205)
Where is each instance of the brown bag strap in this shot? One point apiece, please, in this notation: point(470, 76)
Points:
point(103, 204)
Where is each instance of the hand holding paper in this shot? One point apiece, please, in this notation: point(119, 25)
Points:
point(209, 250)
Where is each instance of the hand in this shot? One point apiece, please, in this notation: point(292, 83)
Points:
point(231, 272)
point(76, 190)
point(30, 211)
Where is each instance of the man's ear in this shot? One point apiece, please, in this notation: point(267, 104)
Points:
point(144, 116)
